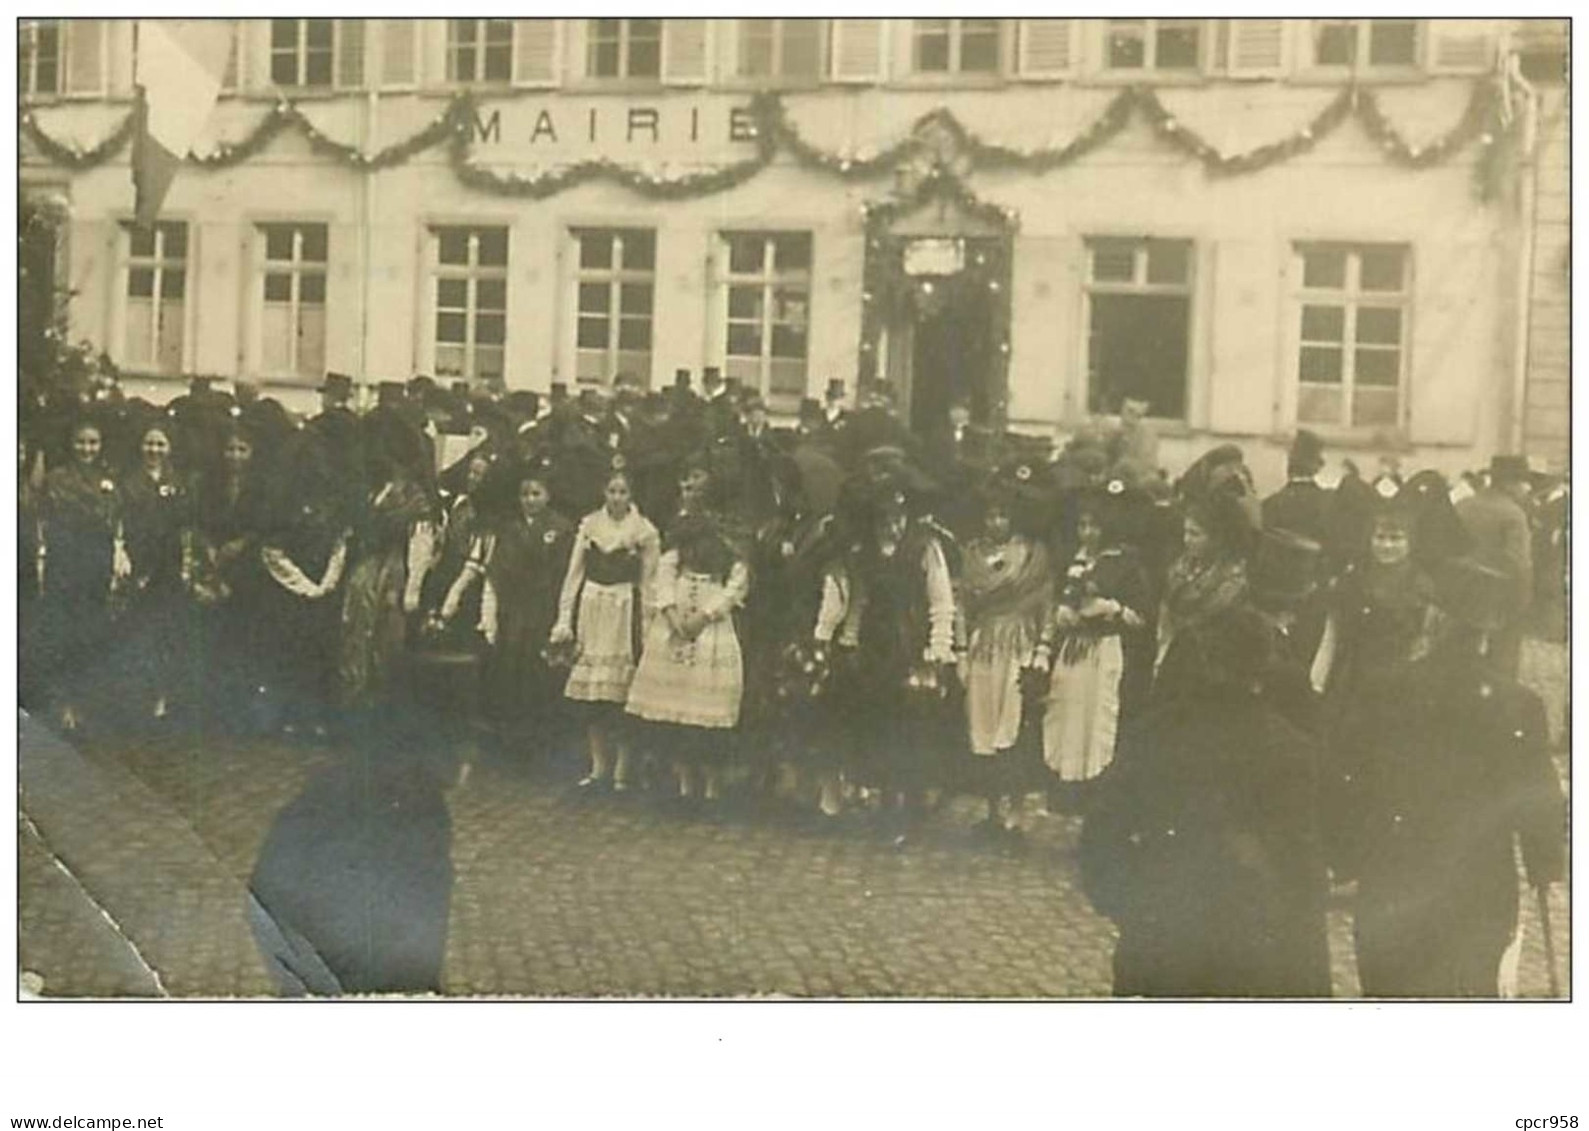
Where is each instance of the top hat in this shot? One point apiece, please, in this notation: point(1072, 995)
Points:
point(525, 402)
point(200, 384)
point(835, 389)
point(1285, 568)
point(1508, 469)
point(711, 376)
point(390, 393)
point(681, 378)
point(1307, 454)
point(559, 390)
point(338, 385)
point(810, 409)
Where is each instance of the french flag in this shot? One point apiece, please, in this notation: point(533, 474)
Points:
point(180, 64)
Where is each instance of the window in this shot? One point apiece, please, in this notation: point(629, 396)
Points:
point(1351, 352)
point(1368, 43)
point(156, 296)
point(292, 322)
point(625, 49)
point(956, 46)
point(768, 312)
point(617, 276)
point(317, 53)
point(786, 49)
point(1139, 313)
point(1153, 45)
point(39, 57)
point(479, 50)
point(471, 268)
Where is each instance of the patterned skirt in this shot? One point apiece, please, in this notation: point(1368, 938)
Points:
point(1083, 712)
point(698, 682)
point(605, 663)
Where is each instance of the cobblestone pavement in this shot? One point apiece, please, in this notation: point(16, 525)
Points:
point(553, 898)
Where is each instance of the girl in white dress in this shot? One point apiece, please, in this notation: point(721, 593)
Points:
point(610, 574)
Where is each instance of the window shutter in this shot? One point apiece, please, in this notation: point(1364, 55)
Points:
point(535, 52)
point(1046, 48)
point(1256, 49)
point(399, 52)
point(1461, 46)
point(231, 77)
point(857, 50)
point(350, 53)
point(684, 51)
point(85, 56)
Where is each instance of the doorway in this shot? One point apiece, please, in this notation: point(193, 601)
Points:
point(950, 351)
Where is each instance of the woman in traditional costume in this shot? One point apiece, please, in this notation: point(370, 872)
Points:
point(610, 572)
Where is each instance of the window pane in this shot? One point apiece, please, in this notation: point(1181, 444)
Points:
point(979, 45)
point(634, 333)
point(452, 294)
point(490, 329)
point(645, 59)
point(1382, 270)
point(449, 360)
point(284, 35)
point(1320, 365)
point(170, 330)
point(278, 287)
point(278, 242)
point(317, 34)
point(1319, 405)
point(789, 306)
point(140, 241)
point(314, 242)
point(802, 48)
point(140, 336)
point(1138, 347)
point(1374, 407)
point(1323, 323)
point(451, 326)
point(317, 69)
point(1378, 367)
point(932, 45)
point(1176, 46)
point(594, 298)
point(1392, 43)
point(493, 247)
point(788, 341)
point(635, 298)
point(174, 241)
point(605, 29)
point(604, 59)
point(1380, 324)
point(756, 47)
point(1126, 44)
point(645, 30)
point(745, 254)
point(636, 363)
point(744, 339)
point(173, 284)
point(788, 379)
point(1334, 43)
point(491, 294)
point(140, 282)
point(1168, 261)
point(592, 333)
point(595, 248)
point(498, 63)
point(311, 340)
point(1114, 261)
point(488, 363)
point(499, 33)
point(792, 253)
point(639, 250)
point(312, 288)
point(460, 65)
point(1324, 267)
point(276, 337)
point(744, 302)
point(461, 32)
point(452, 245)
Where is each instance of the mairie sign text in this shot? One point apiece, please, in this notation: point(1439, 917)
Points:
point(609, 125)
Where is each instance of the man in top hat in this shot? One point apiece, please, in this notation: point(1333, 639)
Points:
point(1301, 506)
point(875, 425)
point(1497, 522)
point(833, 402)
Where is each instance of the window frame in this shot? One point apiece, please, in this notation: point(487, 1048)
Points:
point(626, 38)
point(954, 72)
point(768, 279)
point(779, 75)
point(1190, 290)
point(301, 55)
point(473, 272)
point(1359, 65)
point(614, 276)
point(28, 53)
point(126, 262)
point(482, 27)
point(1351, 297)
point(1151, 27)
point(261, 266)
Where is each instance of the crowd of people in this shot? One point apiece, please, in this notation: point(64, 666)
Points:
point(848, 623)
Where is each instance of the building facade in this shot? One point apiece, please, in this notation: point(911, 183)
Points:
point(1254, 225)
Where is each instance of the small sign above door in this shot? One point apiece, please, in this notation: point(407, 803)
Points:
point(934, 257)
